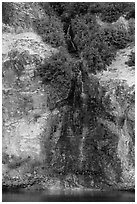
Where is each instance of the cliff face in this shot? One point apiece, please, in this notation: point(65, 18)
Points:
point(25, 109)
point(119, 101)
point(89, 143)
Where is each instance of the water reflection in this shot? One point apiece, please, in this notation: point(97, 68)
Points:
point(76, 195)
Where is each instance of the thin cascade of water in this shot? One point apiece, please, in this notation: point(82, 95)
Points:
point(84, 108)
point(81, 147)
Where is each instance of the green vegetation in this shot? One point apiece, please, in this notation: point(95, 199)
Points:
point(117, 37)
point(51, 31)
point(56, 69)
point(35, 19)
point(110, 12)
point(73, 24)
point(93, 45)
point(131, 61)
point(96, 45)
point(113, 10)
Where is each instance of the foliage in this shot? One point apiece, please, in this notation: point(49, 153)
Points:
point(131, 25)
point(131, 12)
point(18, 15)
point(32, 17)
point(51, 30)
point(56, 66)
point(46, 7)
point(91, 43)
point(59, 7)
point(7, 12)
point(95, 45)
point(96, 7)
point(117, 37)
point(113, 10)
point(78, 8)
point(110, 12)
point(98, 45)
point(131, 61)
point(72, 132)
point(57, 72)
point(70, 9)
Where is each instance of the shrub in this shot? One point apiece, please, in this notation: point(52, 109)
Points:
point(56, 73)
point(51, 30)
point(131, 61)
point(110, 12)
point(56, 66)
point(91, 43)
point(131, 25)
point(113, 10)
point(79, 8)
point(96, 7)
point(70, 8)
point(32, 16)
point(96, 45)
point(7, 12)
point(117, 37)
point(59, 7)
point(18, 15)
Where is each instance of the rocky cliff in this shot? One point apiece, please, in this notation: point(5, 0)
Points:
point(88, 140)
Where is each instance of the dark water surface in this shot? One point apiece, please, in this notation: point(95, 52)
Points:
point(69, 196)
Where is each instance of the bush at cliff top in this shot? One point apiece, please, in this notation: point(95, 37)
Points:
point(98, 46)
point(117, 37)
point(131, 61)
point(91, 43)
point(111, 11)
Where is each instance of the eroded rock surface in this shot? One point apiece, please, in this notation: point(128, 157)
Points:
point(88, 142)
point(25, 110)
point(119, 102)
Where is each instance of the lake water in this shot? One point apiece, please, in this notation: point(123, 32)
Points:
point(69, 196)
